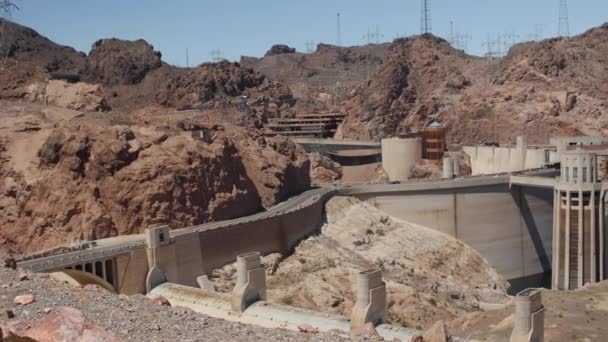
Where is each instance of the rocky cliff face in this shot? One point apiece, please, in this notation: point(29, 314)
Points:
point(93, 179)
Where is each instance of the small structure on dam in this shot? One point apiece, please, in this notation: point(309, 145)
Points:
point(434, 141)
point(399, 156)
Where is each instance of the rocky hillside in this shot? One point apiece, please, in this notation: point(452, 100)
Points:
point(130, 75)
point(25, 44)
point(557, 86)
point(65, 175)
point(319, 80)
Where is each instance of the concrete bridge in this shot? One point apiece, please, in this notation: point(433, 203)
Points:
point(325, 146)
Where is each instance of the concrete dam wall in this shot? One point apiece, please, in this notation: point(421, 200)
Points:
point(486, 160)
point(509, 227)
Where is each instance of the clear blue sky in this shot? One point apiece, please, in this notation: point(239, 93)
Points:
point(249, 27)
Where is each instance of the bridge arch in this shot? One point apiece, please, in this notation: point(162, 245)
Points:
point(81, 278)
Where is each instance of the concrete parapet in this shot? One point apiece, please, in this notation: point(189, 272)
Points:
point(250, 285)
point(371, 300)
point(157, 236)
point(529, 317)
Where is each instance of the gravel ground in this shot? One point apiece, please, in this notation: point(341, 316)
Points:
point(131, 318)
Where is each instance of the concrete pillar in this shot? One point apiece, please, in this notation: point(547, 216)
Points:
point(451, 168)
point(250, 286)
point(581, 238)
point(521, 142)
point(556, 238)
point(371, 300)
point(567, 242)
point(592, 254)
point(601, 233)
point(529, 317)
point(521, 147)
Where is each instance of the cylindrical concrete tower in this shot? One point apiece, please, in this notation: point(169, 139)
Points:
point(579, 243)
point(399, 156)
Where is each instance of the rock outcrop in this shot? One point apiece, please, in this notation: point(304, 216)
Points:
point(323, 169)
point(279, 49)
point(114, 61)
point(63, 324)
point(226, 85)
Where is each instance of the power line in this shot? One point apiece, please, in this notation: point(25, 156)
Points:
point(563, 29)
point(425, 18)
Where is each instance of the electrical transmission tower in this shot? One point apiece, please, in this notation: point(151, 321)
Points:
point(538, 33)
point(425, 18)
point(563, 29)
point(216, 55)
point(339, 31)
point(457, 40)
point(310, 46)
point(373, 36)
point(6, 13)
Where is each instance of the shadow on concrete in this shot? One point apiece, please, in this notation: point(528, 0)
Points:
point(532, 227)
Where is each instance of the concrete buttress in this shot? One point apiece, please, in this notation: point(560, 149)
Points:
point(370, 306)
point(250, 285)
point(161, 255)
point(529, 317)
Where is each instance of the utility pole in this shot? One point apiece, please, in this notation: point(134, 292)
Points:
point(187, 59)
point(563, 29)
point(425, 18)
point(339, 31)
point(452, 37)
point(310, 46)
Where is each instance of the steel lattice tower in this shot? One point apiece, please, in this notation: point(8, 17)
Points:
point(563, 29)
point(339, 31)
point(425, 18)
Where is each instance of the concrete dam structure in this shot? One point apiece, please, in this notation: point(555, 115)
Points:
point(509, 225)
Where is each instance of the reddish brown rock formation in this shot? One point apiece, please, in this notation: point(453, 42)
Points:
point(97, 180)
point(536, 90)
point(114, 61)
point(63, 324)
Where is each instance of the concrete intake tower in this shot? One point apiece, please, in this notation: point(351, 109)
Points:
point(579, 228)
